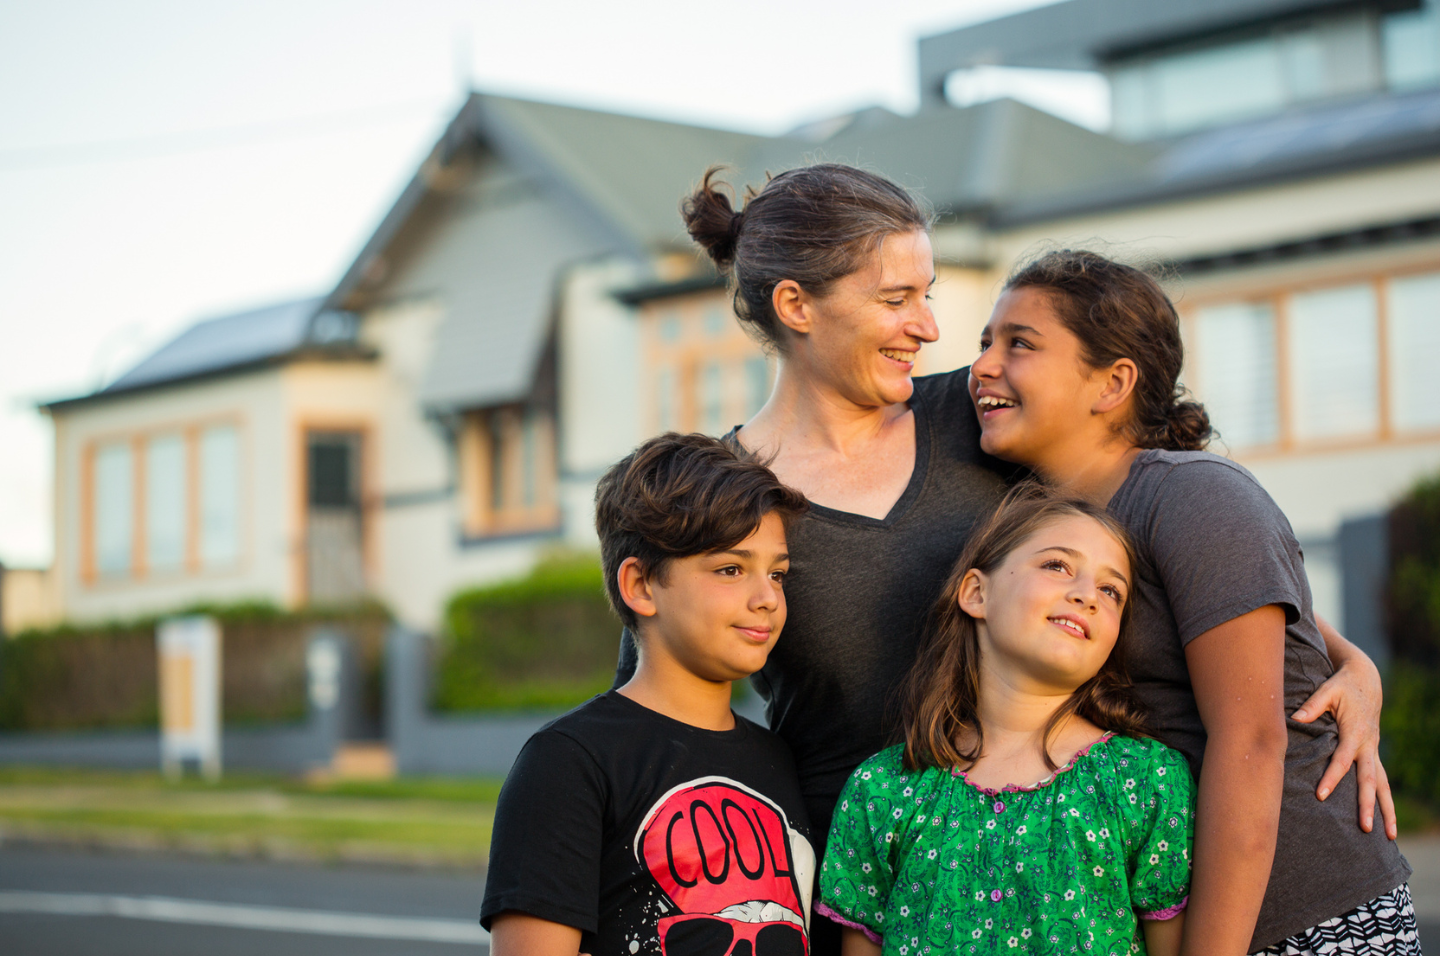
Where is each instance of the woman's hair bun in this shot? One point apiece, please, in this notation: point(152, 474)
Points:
point(1188, 425)
point(712, 220)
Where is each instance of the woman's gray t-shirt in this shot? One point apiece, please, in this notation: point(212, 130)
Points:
point(1213, 546)
point(859, 591)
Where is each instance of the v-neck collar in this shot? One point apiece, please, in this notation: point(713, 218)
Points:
point(907, 498)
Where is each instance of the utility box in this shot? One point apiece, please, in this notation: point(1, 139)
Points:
point(189, 651)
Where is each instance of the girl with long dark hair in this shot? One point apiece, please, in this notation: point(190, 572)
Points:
point(1026, 811)
point(1077, 380)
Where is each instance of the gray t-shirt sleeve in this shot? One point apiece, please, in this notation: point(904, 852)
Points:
point(1221, 547)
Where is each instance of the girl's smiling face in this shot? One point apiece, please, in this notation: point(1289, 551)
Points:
point(1050, 613)
point(1033, 391)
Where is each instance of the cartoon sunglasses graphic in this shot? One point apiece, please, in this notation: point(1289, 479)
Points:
point(735, 871)
point(699, 934)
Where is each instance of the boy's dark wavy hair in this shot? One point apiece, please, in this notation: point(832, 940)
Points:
point(942, 692)
point(680, 495)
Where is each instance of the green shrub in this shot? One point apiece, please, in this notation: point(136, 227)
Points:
point(546, 641)
point(1413, 589)
point(74, 677)
point(1410, 727)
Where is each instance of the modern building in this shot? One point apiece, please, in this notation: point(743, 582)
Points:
point(531, 308)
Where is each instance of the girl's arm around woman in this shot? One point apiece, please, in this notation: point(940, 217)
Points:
point(1237, 672)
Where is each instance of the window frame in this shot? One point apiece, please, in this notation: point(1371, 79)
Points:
point(138, 440)
point(688, 355)
point(1278, 291)
point(524, 438)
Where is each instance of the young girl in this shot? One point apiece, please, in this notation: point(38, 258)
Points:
point(1023, 813)
point(1077, 380)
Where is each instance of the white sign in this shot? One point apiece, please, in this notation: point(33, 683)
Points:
point(189, 651)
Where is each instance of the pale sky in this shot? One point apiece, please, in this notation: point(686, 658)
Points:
point(163, 162)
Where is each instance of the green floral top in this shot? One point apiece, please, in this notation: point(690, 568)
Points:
point(932, 863)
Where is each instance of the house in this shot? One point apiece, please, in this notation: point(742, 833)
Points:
point(1291, 181)
point(531, 308)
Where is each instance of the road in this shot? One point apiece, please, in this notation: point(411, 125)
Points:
point(65, 902)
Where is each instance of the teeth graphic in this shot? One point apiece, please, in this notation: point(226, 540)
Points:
point(898, 355)
point(990, 401)
point(1063, 622)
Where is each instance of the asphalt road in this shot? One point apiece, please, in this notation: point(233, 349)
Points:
point(64, 902)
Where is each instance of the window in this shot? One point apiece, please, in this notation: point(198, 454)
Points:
point(757, 382)
point(114, 531)
point(166, 502)
point(1414, 319)
point(1411, 43)
point(219, 496)
point(1334, 365)
point(508, 471)
point(665, 399)
point(1219, 84)
point(716, 322)
point(712, 398)
point(1236, 355)
point(1306, 59)
point(705, 379)
point(1355, 361)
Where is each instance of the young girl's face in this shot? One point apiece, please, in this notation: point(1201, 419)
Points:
point(1049, 615)
point(1033, 391)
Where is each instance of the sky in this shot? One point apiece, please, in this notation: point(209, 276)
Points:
point(163, 162)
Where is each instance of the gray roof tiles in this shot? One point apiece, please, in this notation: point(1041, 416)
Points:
point(225, 342)
point(1314, 141)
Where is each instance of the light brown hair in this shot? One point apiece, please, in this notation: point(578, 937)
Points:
point(942, 693)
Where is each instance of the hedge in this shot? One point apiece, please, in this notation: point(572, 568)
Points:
point(1410, 725)
point(548, 640)
point(75, 677)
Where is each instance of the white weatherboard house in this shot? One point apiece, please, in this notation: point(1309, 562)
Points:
point(530, 309)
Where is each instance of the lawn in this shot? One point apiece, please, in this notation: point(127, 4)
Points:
point(432, 821)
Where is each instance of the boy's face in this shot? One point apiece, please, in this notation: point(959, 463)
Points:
point(717, 615)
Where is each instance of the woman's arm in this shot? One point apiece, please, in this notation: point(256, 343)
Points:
point(1354, 695)
point(519, 934)
point(1162, 936)
point(1237, 673)
point(855, 943)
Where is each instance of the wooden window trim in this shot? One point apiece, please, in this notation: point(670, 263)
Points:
point(1279, 295)
point(485, 432)
point(138, 441)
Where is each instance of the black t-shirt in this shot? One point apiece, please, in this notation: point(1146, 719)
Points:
point(859, 591)
point(631, 826)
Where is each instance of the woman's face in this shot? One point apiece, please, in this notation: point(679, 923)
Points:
point(1033, 391)
point(1050, 613)
point(862, 338)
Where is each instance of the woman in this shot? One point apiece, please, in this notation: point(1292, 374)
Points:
point(1077, 381)
point(831, 268)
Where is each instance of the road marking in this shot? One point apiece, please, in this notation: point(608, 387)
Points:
point(274, 918)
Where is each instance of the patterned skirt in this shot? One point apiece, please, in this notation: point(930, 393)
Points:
point(1385, 926)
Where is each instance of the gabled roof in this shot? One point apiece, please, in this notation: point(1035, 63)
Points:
point(234, 343)
point(969, 160)
point(623, 174)
point(578, 183)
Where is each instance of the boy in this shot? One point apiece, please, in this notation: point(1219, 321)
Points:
point(652, 819)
